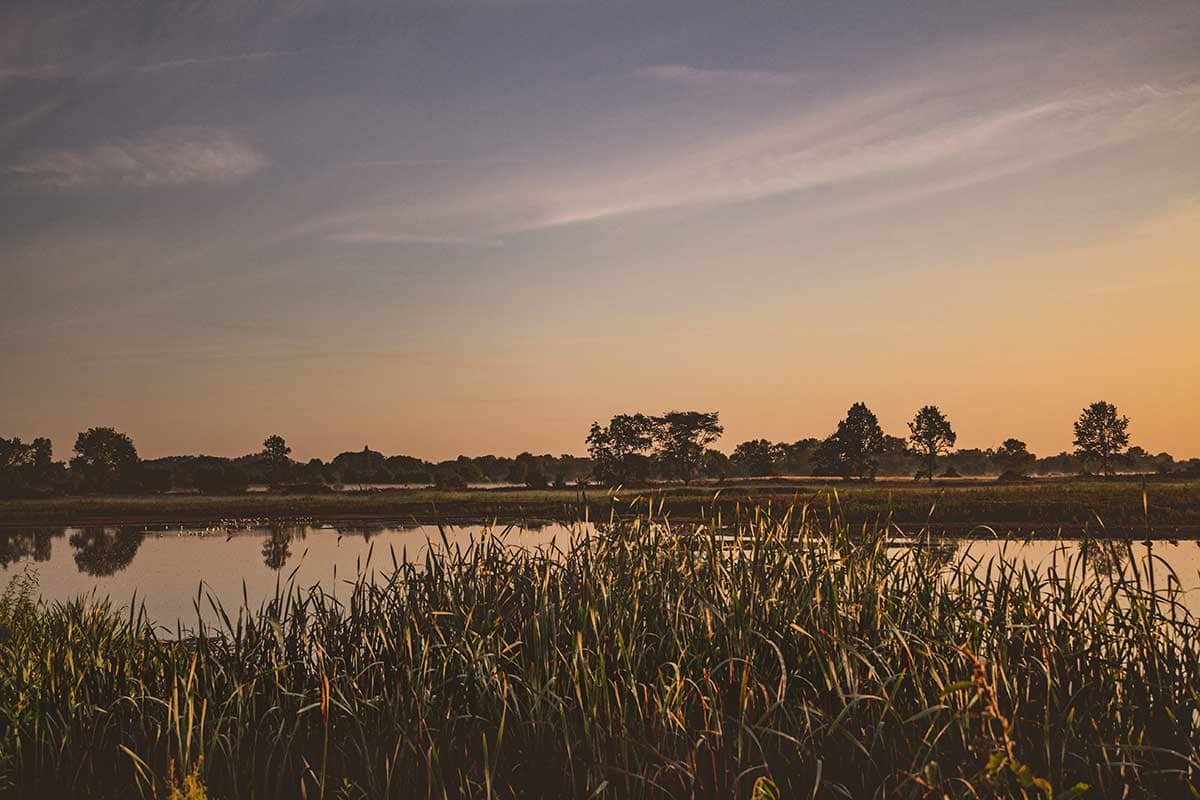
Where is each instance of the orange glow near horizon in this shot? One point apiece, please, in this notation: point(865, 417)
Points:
point(454, 249)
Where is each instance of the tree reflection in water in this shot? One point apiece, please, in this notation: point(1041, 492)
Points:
point(25, 545)
point(367, 532)
point(1107, 558)
point(276, 549)
point(105, 551)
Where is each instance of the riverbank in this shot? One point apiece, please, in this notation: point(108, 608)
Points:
point(1098, 507)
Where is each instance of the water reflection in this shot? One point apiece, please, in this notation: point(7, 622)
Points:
point(1107, 558)
point(276, 550)
point(105, 551)
point(164, 566)
point(31, 545)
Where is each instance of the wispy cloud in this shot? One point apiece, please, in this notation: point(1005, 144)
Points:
point(717, 78)
point(875, 137)
point(438, 162)
point(885, 145)
point(163, 157)
point(384, 237)
point(30, 71)
point(30, 117)
point(206, 60)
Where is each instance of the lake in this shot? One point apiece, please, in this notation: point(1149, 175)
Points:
point(165, 567)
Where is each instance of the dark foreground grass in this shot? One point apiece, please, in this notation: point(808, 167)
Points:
point(1043, 506)
point(807, 659)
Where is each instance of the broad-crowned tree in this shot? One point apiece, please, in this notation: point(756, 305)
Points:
point(853, 450)
point(1101, 433)
point(931, 435)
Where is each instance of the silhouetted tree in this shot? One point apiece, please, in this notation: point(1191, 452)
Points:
point(447, 476)
point(363, 466)
point(895, 458)
point(756, 457)
point(852, 450)
point(221, 479)
point(715, 464)
point(275, 452)
point(406, 469)
point(797, 458)
point(1012, 457)
point(618, 449)
point(535, 478)
point(1064, 463)
point(518, 471)
point(105, 460)
point(681, 438)
point(22, 466)
point(1100, 433)
point(931, 435)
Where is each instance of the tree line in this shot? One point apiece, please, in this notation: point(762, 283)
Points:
point(630, 449)
point(634, 448)
point(106, 461)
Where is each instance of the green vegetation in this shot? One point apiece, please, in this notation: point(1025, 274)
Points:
point(805, 658)
point(1043, 507)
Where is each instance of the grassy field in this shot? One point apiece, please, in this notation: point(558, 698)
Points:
point(1043, 507)
point(812, 661)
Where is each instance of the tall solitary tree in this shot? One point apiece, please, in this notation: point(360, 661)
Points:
point(854, 448)
point(682, 437)
point(931, 435)
point(276, 453)
point(1101, 433)
point(105, 459)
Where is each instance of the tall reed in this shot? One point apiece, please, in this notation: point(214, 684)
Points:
point(781, 656)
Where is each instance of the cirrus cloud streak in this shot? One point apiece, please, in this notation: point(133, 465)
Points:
point(174, 156)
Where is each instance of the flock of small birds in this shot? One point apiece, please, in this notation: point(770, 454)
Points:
point(228, 527)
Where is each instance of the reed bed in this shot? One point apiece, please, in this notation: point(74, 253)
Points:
point(789, 656)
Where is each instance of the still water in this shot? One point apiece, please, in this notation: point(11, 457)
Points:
point(165, 567)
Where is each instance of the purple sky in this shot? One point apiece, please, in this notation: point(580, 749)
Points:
point(467, 226)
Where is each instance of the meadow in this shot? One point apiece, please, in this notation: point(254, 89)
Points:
point(1163, 508)
point(797, 654)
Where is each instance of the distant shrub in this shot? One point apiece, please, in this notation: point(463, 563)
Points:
point(449, 478)
point(156, 481)
point(1012, 476)
point(224, 479)
point(301, 488)
point(536, 479)
point(950, 472)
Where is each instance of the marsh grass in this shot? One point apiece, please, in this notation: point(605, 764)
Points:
point(1046, 505)
point(789, 655)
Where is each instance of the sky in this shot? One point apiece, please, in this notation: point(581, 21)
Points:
point(476, 226)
